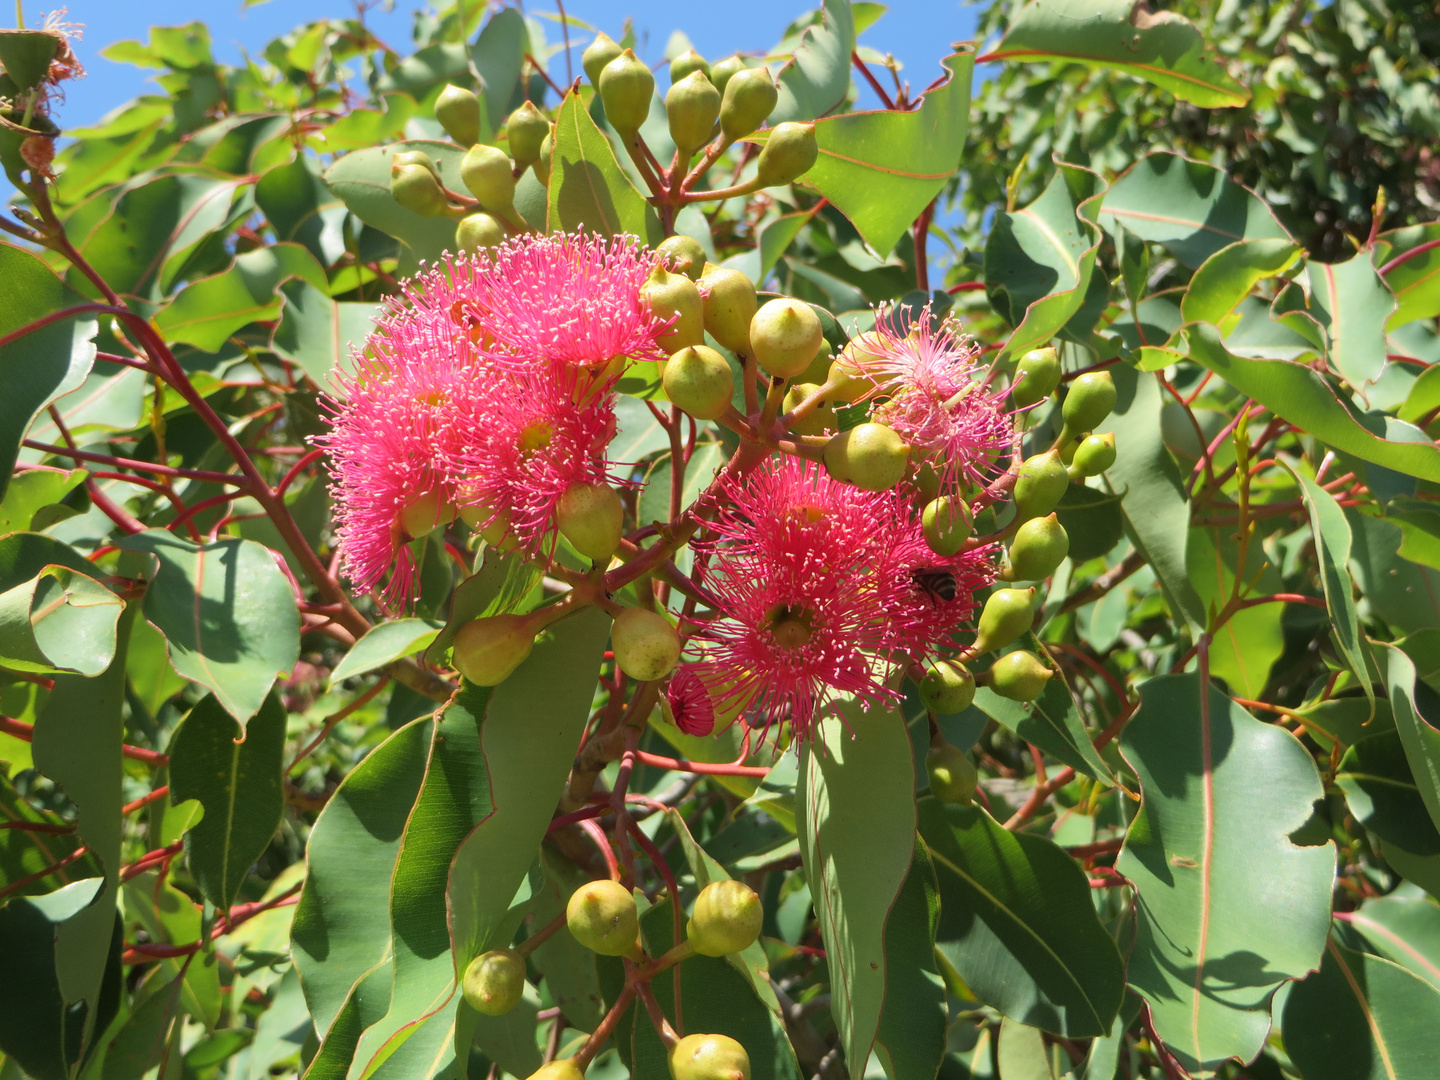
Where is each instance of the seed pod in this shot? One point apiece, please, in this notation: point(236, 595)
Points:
point(820, 420)
point(947, 524)
point(1093, 456)
point(683, 254)
point(847, 379)
point(723, 70)
point(727, 919)
point(563, 1069)
point(787, 154)
point(1006, 615)
point(1040, 485)
point(948, 687)
point(458, 111)
point(478, 231)
point(590, 516)
point(597, 55)
point(749, 99)
point(686, 64)
point(646, 645)
point(709, 1057)
point(729, 304)
point(487, 172)
point(525, 133)
point(547, 150)
point(488, 650)
point(1040, 545)
point(602, 917)
point(1036, 375)
point(1090, 399)
point(415, 186)
point(626, 87)
point(952, 774)
point(1019, 676)
point(785, 336)
point(699, 380)
point(675, 295)
point(692, 107)
point(494, 982)
point(870, 456)
point(425, 514)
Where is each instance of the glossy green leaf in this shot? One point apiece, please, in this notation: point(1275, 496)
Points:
point(239, 784)
point(568, 968)
point(300, 208)
point(816, 80)
point(1051, 722)
point(386, 642)
point(1352, 302)
point(54, 615)
point(1161, 47)
point(1020, 1052)
point(32, 491)
point(1247, 644)
point(1361, 1017)
point(911, 1039)
point(227, 613)
point(883, 168)
point(362, 181)
point(1381, 792)
point(499, 56)
point(1413, 278)
point(1231, 274)
point(1419, 737)
point(112, 398)
point(136, 1048)
point(1404, 929)
point(206, 312)
point(1419, 524)
point(588, 189)
point(1229, 907)
point(1017, 924)
point(320, 334)
point(855, 816)
point(1093, 520)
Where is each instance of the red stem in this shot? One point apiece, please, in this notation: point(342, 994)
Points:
point(21, 730)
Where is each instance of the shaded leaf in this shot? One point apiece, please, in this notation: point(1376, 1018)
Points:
point(386, 642)
point(54, 616)
point(1419, 737)
point(1050, 722)
point(588, 189)
point(206, 312)
point(1413, 278)
point(1351, 301)
point(911, 1038)
point(362, 181)
point(816, 80)
point(1403, 929)
point(1382, 795)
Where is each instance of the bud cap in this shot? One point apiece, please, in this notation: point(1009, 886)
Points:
point(683, 254)
point(952, 774)
point(870, 456)
point(1039, 546)
point(728, 304)
point(591, 516)
point(626, 89)
point(1037, 373)
point(749, 99)
point(948, 687)
point(699, 380)
point(1007, 614)
point(785, 336)
point(486, 651)
point(787, 154)
point(946, 523)
point(525, 133)
point(692, 106)
point(1090, 399)
point(458, 111)
point(1040, 485)
point(675, 296)
point(486, 171)
point(596, 55)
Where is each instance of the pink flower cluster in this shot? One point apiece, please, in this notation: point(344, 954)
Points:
point(485, 390)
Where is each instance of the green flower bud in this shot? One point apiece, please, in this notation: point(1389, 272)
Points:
point(1006, 615)
point(1040, 545)
point(492, 525)
point(723, 70)
point(684, 255)
point(1093, 456)
point(686, 64)
point(728, 306)
point(478, 231)
point(675, 295)
point(727, 919)
point(699, 380)
point(494, 982)
point(590, 516)
point(626, 87)
point(458, 111)
point(602, 916)
point(564, 1069)
point(709, 1057)
point(597, 55)
point(820, 421)
point(948, 687)
point(487, 651)
point(927, 483)
point(1040, 485)
point(749, 99)
point(785, 336)
point(547, 150)
point(692, 107)
point(947, 524)
point(1019, 676)
point(416, 188)
point(525, 133)
point(787, 154)
point(1090, 399)
point(425, 514)
point(1036, 375)
point(953, 778)
point(870, 456)
point(487, 172)
point(847, 379)
point(646, 645)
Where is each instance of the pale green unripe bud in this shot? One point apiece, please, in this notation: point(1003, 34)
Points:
point(692, 107)
point(1006, 615)
point(1089, 400)
point(1040, 545)
point(787, 154)
point(948, 687)
point(590, 516)
point(749, 99)
point(426, 513)
point(709, 1057)
point(683, 254)
point(686, 64)
point(597, 55)
point(564, 1069)
point(487, 172)
point(602, 916)
point(819, 421)
point(458, 111)
point(699, 380)
point(870, 456)
point(729, 304)
point(494, 982)
point(487, 651)
point(1019, 676)
point(724, 70)
point(785, 336)
point(848, 381)
point(1093, 456)
point(626, 87)
point(947, 524)
point(415, 186)
point(646, 646)
point(1036, 375)
point(727, 919)
point(675, 295)
point(547, 150)
point(479, 231)
point(525, 133)
point(952, 774)
point(1040, 485)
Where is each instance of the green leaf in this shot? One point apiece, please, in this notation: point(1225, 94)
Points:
point(911, 1038)
point(24, 854)
point(1414, 279)
point(362, 181)
point(1020, 1052)
point(1352, 302)
point(1038, 260)
point(1193, 209)
point(1419, 737)
point(588, 189)
point(54, 615)
point(227, 614)
point(1424, 396)
point(1361, 1018)
point(206, 312)
point(1247, 644)
point(1403, 594)
point(855, 815)
point(300, 208)
point(1229, 907)
point(385, 643)
point(499, 56)
point(1093, 520)
point(137, 1046)
point(32, 491)
point(1161, 47)
point(1382, 794)
point(26, 54)
point(1231, 274)
point(112, 398)
point(568, 968)
point(816, 80)
point(240, 786)
point(1017, 923)
point(320, 334)
point(881, 169)
point(501, 585)
point(42, 365)
point(1403, 929)
point(1052, 723)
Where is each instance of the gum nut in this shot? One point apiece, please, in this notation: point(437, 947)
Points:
point(596, 55)
point(646, 645)
point(699, 380)
point(785, 336)
point(602, 916)
point(487, 650)
point(683, 255)
point(591, 517)
point(749, 99)
point(728, 304)
point(487, 172)
point(1007, 614)
point(458, 111)
point(626, 88)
